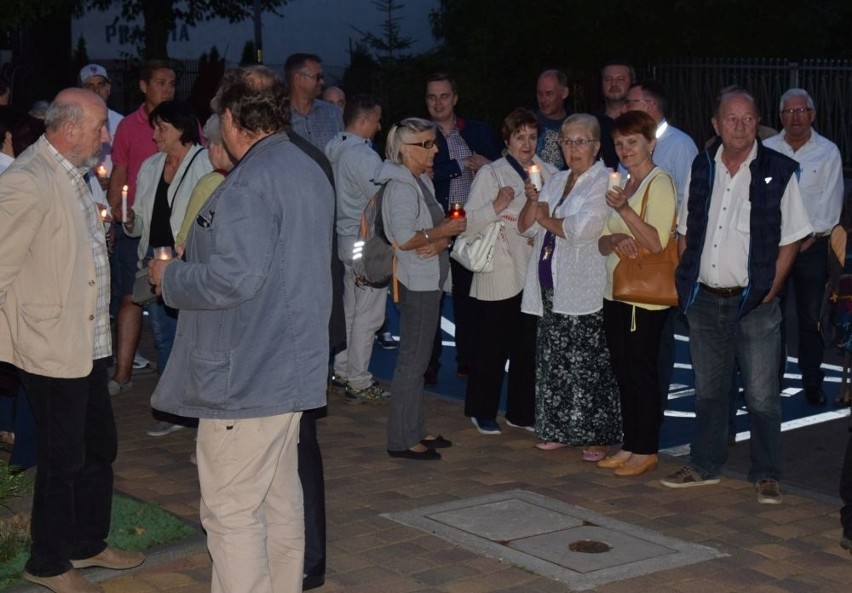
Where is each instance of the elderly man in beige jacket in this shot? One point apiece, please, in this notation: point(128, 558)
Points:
point(54, 327)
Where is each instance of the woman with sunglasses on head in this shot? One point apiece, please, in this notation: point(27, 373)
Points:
point(501, 331)
point(414, 223)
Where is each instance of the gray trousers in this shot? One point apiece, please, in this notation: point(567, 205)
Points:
point(418, 320)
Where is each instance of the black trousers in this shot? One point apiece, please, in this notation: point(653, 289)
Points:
point(77, 443)
point(501, 333)
point(464, 310)
point(313, 491)
point(633, 338)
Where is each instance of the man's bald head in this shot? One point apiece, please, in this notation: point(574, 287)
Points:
point(75, 124)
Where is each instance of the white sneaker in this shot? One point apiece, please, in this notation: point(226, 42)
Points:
point(140, 362)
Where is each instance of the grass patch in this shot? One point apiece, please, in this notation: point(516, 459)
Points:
point(135, 525)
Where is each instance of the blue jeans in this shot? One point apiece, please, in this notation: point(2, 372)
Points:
point(717, 340)
point(163, 322)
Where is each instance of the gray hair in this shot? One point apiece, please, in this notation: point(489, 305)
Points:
point(61, 112)
point(212, 130)
point(590, 122)
point(794, 92)
point(402, 131)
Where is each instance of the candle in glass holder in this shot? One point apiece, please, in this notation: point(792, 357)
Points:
point(163, 253)
point(614, 180)
point(101, 171)
point(124, 204)
point(535, 176)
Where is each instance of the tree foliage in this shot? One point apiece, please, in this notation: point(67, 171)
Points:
point(159, 17)
point(496, 48)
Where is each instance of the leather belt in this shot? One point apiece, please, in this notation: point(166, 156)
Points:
point(725, 293)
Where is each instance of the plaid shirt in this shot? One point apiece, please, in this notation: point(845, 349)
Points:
point(320, 125)
point(102, 338)
point(458, 149)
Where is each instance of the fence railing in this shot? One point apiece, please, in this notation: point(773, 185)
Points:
point(693, 84)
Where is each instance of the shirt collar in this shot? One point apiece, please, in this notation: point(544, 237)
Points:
point(81, 171)
point(661, 129)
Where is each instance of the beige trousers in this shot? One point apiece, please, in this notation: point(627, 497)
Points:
point(251, 503)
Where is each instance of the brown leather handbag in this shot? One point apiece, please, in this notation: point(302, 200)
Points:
point(650, 278)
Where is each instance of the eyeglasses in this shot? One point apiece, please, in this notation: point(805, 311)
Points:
point(796, 111)
point(578, 143)
point(427, 144)
point(317, 76)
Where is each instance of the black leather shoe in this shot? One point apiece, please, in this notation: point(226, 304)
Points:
point(815, 396)
point(438, 442)
point(313, 581)
point(427, 455)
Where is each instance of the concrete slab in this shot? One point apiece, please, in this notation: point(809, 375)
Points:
point(535, 533)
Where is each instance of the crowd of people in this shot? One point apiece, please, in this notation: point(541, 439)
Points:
point(242, 236)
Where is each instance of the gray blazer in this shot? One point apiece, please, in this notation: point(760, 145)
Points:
point(255, 292)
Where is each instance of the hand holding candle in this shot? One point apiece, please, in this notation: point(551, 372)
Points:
point(163, 253)
point(614, 180)
point(535, 176)
point(124, 204)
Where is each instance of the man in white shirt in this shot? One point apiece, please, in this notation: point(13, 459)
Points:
point(821, 185)
point(740, 227)
point(675, 149)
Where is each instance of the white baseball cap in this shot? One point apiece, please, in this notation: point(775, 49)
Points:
point(93, 70)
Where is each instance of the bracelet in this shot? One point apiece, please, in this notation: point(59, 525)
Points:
point(425, 234)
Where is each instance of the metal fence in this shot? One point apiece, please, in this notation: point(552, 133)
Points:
point(693, 84)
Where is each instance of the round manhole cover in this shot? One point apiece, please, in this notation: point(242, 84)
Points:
point(587, 546)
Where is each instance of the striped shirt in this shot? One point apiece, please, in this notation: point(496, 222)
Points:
point(102, 342)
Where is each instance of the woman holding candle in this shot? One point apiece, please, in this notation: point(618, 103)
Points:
point(501, 331)
point(575, 393)
point(414, 222)
point(164, 186)
point(633, 329)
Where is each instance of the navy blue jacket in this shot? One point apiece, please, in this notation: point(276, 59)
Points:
point(764, 224)
point(480, 139)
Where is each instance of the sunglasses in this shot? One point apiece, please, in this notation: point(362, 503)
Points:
point(427, 144)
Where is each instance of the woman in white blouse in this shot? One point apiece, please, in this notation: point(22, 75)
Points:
point(501, 331)
point(576, 394)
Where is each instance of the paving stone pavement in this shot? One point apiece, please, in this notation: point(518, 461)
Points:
point(770, 549)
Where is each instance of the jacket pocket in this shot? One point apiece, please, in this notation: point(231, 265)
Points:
point(209, 379)
point(39, 326)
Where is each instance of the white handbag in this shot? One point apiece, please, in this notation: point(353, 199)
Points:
point(476, 252)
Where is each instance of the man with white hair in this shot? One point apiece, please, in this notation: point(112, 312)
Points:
point(54, 292)
point(821, 184)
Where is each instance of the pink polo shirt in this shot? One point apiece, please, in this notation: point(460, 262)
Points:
point(132, 144)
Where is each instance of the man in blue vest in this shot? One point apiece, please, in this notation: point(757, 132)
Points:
point(740, 227)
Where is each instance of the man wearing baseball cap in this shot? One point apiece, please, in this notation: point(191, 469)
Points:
point(94, 77)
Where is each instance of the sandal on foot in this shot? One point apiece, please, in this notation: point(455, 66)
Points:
point(549, 446)
point(593, 455)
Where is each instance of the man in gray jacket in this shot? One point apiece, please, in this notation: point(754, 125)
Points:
point(354, 163)
point(252, 339)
